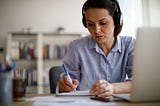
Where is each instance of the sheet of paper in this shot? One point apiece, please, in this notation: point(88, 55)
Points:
point(50, 99)
point(67, 101)
point(75, 93)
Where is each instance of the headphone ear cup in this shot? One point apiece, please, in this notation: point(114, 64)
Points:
point(84, 21)
point(118, 19)
point(117, 15)
point(121, 20)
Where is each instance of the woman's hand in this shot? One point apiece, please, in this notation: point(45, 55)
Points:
point(66, 85)
point(102, 88)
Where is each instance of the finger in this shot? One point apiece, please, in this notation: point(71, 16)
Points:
point(65, 85)
point(108, 91)
point(62, 85)
point(94, 86)
point(98, 83)
point(68, 82)
point(98, 86)
point(104, 94)
point(75, 83)
point(100, 89)
point(67, 88)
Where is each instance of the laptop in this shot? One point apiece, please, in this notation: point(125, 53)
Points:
point(146, 67)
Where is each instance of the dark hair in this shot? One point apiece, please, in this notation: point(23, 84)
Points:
point(113, 8)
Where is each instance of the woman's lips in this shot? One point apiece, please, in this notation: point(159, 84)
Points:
point(98, 37)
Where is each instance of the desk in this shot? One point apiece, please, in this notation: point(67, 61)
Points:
point(89, 102)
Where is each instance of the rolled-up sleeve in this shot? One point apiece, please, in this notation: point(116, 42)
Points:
point(129, 66)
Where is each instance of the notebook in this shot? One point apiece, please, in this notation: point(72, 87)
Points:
point(146, 67)
point(75, 93)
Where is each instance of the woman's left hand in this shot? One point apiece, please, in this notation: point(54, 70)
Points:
point(102, 88)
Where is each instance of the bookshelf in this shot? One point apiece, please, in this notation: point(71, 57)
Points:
point(38, 52)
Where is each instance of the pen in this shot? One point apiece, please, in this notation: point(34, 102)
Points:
point(66, 72)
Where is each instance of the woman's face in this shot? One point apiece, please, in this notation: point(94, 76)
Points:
point(100, 24)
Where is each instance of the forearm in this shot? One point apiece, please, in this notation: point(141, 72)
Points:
point(122, 87)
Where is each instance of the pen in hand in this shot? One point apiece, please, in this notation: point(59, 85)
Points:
point(67, 74)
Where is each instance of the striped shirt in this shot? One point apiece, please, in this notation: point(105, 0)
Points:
point(87, 63)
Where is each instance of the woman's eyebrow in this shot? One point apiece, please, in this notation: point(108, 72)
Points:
point(103, 19)
point(88, 20)
point(98, 20)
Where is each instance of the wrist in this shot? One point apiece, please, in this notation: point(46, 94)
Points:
point(113, 90)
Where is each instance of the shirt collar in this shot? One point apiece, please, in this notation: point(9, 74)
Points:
point(117, 47)
point(92, 43)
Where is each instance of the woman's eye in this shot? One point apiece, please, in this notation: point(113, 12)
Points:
point(102, 23)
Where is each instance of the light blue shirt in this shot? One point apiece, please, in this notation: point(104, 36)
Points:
point(87, 63)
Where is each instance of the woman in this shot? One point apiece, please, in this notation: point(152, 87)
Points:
point(100, 62)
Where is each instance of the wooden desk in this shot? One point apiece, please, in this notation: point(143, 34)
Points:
point(26, 103)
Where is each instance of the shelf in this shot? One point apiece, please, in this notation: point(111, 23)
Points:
point(51, 38)
point(24, 37)
point(27, 64)
point(38, 52)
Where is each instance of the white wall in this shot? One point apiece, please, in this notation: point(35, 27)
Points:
point(40, 15)
point(154, 13)
point(47, 15)
point(138, 13)
point(151, 13)
point(132, 16)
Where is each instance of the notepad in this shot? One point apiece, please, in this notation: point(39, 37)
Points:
point(75, 93)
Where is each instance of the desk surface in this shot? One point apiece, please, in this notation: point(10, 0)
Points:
point(87, 102)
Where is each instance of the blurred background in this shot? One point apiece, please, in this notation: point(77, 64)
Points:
point(48, 16)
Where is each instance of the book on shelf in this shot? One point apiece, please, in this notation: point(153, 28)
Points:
point(51, 51)
point(23, 50)
point(32, 77)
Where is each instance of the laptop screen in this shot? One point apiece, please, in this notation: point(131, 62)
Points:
point(146, 65)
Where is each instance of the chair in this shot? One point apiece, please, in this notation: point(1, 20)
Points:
point(54, 76)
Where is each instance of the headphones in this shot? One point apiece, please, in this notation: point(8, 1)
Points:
point(117, 16)
point(118, 20)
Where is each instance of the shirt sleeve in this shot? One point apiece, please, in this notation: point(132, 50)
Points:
point(72, 61)
point(130, 59)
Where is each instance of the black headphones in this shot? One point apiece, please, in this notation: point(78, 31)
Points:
point(117, 16)
point(118, 20)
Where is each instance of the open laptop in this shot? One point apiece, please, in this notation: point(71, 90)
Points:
point(146, 67)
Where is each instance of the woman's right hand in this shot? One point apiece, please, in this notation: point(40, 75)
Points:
point(66, 85)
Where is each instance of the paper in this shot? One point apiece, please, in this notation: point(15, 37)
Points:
point(67, 101)
point(75, 93)
point(50, 99)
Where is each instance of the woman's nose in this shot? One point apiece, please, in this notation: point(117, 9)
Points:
point(97, 28)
